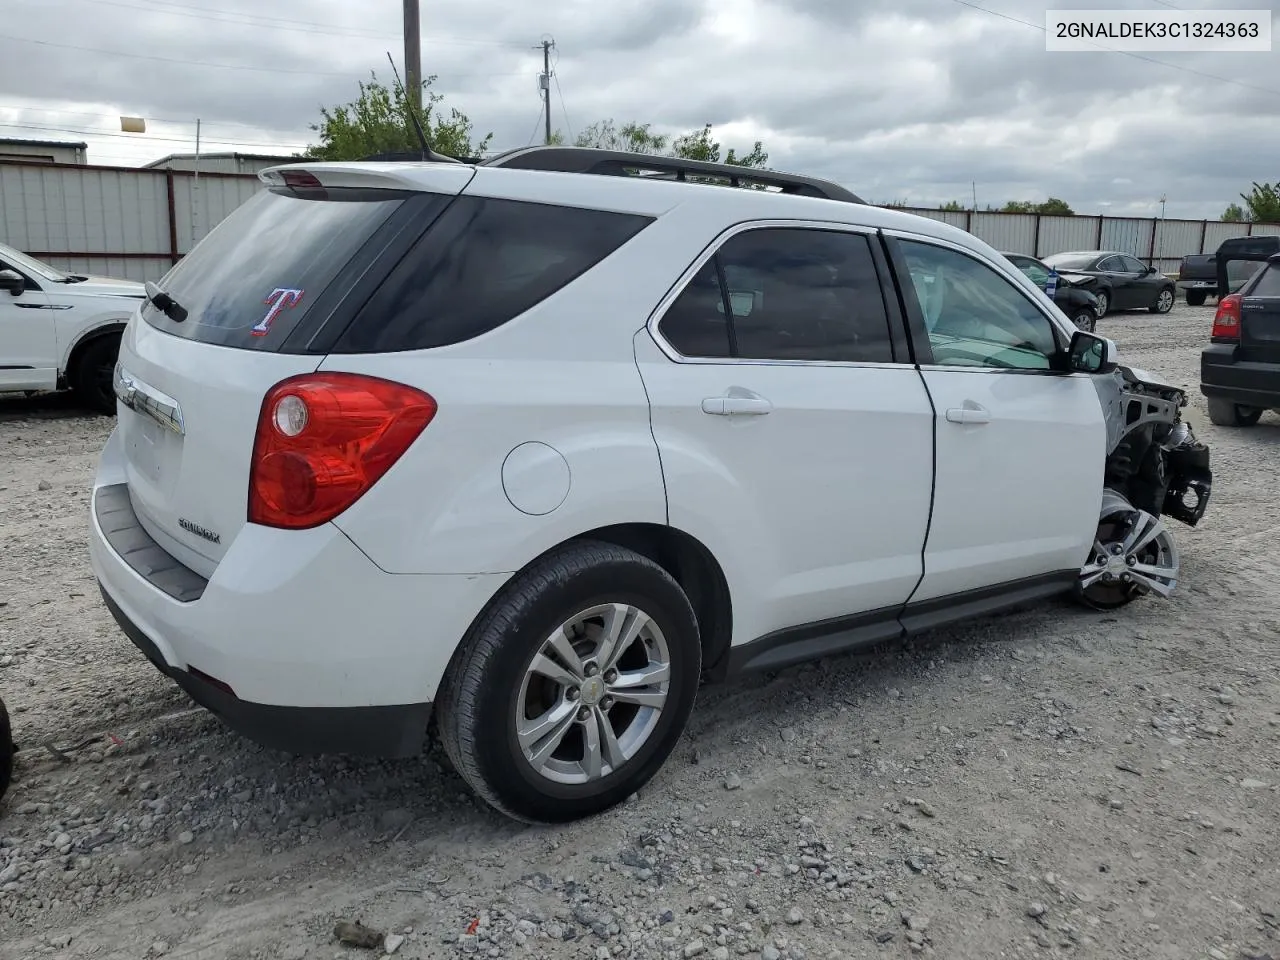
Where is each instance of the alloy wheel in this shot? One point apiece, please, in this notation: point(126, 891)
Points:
point(592, 695)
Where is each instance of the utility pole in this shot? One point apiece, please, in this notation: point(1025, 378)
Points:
point(412, 56)
point(545, 83)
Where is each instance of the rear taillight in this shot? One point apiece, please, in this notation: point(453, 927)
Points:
point(324, 439)
point(1226, 322)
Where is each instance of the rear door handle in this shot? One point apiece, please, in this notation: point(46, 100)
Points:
point(736, 406)
point(969, 413)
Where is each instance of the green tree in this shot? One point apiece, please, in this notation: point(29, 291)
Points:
point(698, 145)
point(1051, 207)
point(378, 121)
point(952, 206)
point(1263, 202)
point(631, 137)
point(1233, 214)
point(1054, 207)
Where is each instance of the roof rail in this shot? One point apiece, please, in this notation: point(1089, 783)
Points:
point(620, 163)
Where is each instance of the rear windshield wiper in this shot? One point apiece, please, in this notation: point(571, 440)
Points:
point(170, 307)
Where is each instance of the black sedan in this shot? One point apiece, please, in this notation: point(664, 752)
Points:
point(1080, 306)
point(1119, 281)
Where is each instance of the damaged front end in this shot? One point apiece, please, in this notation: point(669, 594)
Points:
point(1155, 468)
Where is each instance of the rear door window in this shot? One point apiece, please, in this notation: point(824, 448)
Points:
point(484, 262)
point(257, 274)
point(1268, 284)
point(792, 294)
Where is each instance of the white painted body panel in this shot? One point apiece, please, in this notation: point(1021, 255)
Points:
point(1017, 496)
point(815, 510)
point(28, 342)
point(300, 617)
point(203, 475)
point(39, 329)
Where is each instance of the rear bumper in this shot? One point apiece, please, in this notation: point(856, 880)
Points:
point(297, 640)
point(1246, 383)
point(393, 731)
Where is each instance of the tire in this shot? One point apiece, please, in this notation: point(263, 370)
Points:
point(92, 377)
point(1164, 301)
point(491, 684)
point(1196, 298)
point(1104, 303)
point(1112, 578)
point(6, 750)
point(1086, 320)
point(1224, 413)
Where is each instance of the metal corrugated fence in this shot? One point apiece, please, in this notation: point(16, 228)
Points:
point(136, 223)
point(113, 221)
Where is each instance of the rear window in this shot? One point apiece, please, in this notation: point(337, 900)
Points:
point(484, 262)
point(1268, 284)
point(258, 272)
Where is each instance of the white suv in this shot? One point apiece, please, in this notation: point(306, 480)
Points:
point(536, 451)
point(59, 329)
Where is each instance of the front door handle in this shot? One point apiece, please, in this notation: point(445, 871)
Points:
point(969, 413)
point(736, 406)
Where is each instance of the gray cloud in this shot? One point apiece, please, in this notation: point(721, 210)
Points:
point(897, 98)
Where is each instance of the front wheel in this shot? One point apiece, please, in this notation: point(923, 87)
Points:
point(574, 686)
point(1224, 413)
point(94, 373)
point(1104, 304)
point(1086, 320)
point(1133, 555)
point(1164, 301)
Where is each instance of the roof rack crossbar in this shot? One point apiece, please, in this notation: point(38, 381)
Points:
point(620, 163)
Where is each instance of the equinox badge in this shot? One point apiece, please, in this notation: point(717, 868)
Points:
point(203, 532)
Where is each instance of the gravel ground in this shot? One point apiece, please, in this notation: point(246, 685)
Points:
point(1049, 783)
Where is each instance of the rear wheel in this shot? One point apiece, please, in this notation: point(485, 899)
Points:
point(1227, 414)
point(1196, 298)
point(92, 378)
point(1164, 301)
point(574, 685)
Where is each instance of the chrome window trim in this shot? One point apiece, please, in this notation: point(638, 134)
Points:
point(678, 288)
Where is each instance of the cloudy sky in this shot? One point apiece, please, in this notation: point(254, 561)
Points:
point(909, 100)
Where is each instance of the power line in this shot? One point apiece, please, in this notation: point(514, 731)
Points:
point(206, 63)
point(149, 137)
point(1127, 53)
point(287, 23)
point(99, 114)
point(563, 109)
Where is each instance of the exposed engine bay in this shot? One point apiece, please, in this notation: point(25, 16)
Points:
point(1155, 468)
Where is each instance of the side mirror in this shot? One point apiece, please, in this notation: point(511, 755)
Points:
point(1090, 353)
point(1152, 270)
point(12, 281)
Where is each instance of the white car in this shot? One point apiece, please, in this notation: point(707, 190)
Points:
point(538, 450)
point(61, 330)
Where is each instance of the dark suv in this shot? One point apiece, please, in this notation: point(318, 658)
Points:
point(1240, 369)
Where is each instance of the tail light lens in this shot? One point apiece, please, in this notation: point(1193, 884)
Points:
point(1226, 322)
point(324, 439)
